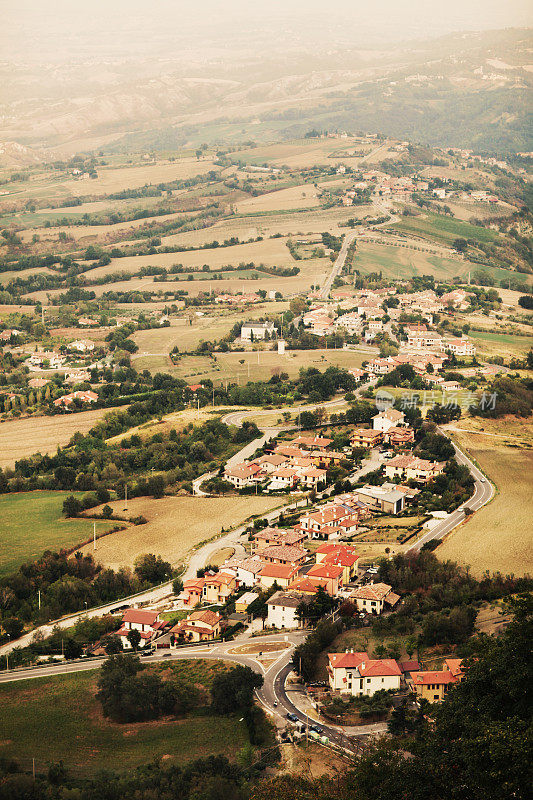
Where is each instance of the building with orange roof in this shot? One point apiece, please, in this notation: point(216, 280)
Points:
point(199, 626)
point(373, 597)
point(366, 437)
point(284, 554)
point(358, 674)
point(282, 574)
point(331, 574)
point(432, 685)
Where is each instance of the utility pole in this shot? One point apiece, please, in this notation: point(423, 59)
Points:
point(39, 598)
point(125, 497)
point(198, 414)
point(94, 535)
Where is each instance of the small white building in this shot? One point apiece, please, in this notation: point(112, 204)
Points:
point(82, 346)
point(282, 607)
point(385, 420)
point(256, 330)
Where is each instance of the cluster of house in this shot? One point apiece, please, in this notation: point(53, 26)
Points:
point(279, 559)
point(9, 335)
point(363, 311)
point(67, 400)
point(57, 360)
point(237, 299)
point(302, 462)
point(357, 674)
point(381, 184)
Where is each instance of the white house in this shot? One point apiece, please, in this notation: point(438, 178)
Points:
point(460, 347)
point(146, 622)
point(282, 607)
point(82, 346)
point(358, 674)
point(390, 418)
point(256, 330)
point(242, 474)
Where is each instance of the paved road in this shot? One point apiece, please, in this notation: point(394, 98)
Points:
point(272, 695)
point(338, 265)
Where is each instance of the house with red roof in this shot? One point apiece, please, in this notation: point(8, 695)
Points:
point(146, 622)
point(282, 574)
point(66, 400)
point(342, 556)
point(330, 575)
point(358, 674)
point(284, 554)
point(432, 685)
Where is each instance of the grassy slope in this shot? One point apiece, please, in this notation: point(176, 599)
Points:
point(59, 718)
point(443, 229)
point(31, 522)
point(498, 537)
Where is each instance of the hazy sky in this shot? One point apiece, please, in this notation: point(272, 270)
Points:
point(32, 29)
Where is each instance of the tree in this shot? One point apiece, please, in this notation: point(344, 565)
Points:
point(13, 627)
point(71, 506)
point(107, 512)
point(152, 569)
point(526, 301)
point(112, 644)
point(134, 638)
point(234, 690)
point(156, 486)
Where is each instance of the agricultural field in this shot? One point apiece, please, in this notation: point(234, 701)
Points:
point(405, 262)
point(175, 526)
point(59, 718)
point(303, 196)
point(498, 537)
point(112, 178)
point(501, 344)
point(261, 365)
point(443, 229)
point(32, 522)
point(21, 438)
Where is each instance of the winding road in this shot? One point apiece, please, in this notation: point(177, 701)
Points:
point(273, 696)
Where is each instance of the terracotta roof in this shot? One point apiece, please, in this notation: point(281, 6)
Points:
point(284, 553)
point(325, 571)
point(209, 617)
point(343, 559)
point(442, 677)
point(347, 660)
point(409, 666)
point(135, 615)
point(278, 571)
point(377, 667)
point(374, 591)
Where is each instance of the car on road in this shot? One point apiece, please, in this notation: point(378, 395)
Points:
point(145, 653)
point(316, 729)
point(483, 480)
point(292, 717)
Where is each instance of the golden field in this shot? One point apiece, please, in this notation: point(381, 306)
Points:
point(499, 536)
point(175, 526)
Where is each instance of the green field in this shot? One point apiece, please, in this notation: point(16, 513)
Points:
point(443, 229)
point(503, 344)
point(32, 522)
point(228, 367)
point(405, 262)
point(59, 718)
